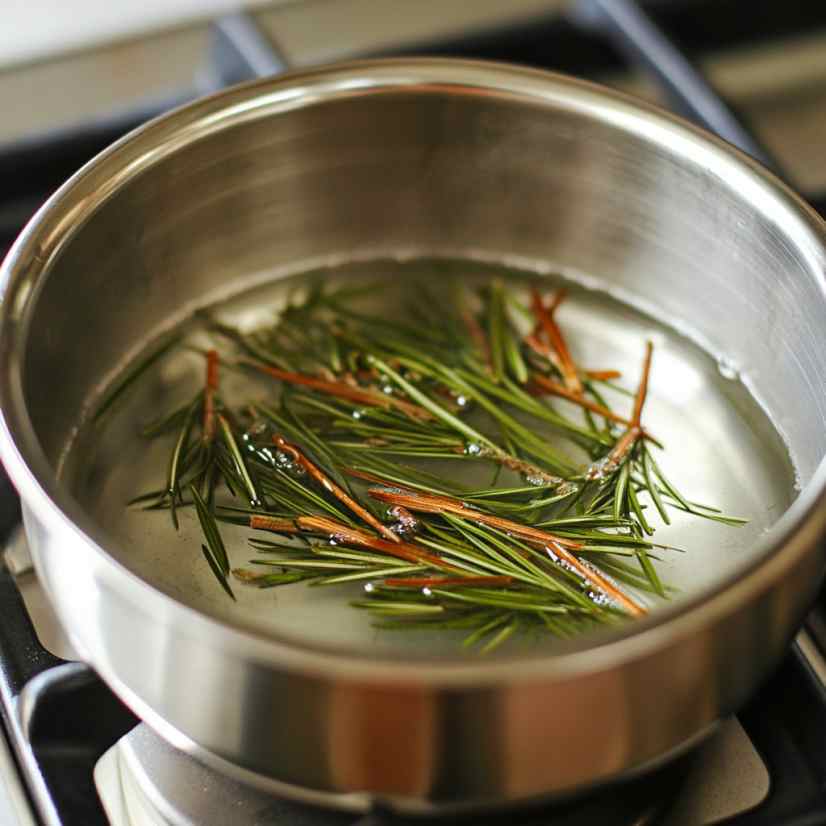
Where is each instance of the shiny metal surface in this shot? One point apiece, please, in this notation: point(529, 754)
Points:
point(439, 157)
point(142, 781)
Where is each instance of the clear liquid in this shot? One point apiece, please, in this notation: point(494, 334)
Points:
point(721, 449)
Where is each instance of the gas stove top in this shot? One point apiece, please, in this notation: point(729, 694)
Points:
point(72, 754)
point(143, 781)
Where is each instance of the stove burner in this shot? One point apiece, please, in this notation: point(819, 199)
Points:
point(143, 781)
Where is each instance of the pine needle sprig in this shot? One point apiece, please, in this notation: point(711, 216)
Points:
point(345, 458)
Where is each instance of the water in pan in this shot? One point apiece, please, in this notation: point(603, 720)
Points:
point(721, 449)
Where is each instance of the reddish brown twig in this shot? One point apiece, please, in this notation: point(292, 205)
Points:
point(556, 389)
point(635, 431)
point(244, 575)
point(597, 579)
point(602, 375)
point(429, 503)
point(642, 389)
point(342, 390)
point(557, 297)
point(448, 582)
point(210, 389)
point(534, 338)
point(545, 351)
point(272, 523)
point(542, 348)
point(570, 374)
point(332, 488)
point(352, 536)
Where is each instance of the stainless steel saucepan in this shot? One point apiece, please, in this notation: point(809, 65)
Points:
point(435, 157)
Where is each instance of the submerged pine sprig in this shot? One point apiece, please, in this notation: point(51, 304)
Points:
point(347, 459)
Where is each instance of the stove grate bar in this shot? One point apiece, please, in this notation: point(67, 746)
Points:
point(637, 36)
point(240, 51)
point(644, 44)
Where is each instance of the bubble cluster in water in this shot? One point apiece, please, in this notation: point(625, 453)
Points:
point(254, 434)
point(727, 368)
point(598, 598)
point(563, 563)
point(266, 454)
point(601, 469)
point(404, 524)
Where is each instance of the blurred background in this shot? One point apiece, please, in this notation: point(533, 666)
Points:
point(76, 75)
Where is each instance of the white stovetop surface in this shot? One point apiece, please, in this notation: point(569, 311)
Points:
point(34, 29)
